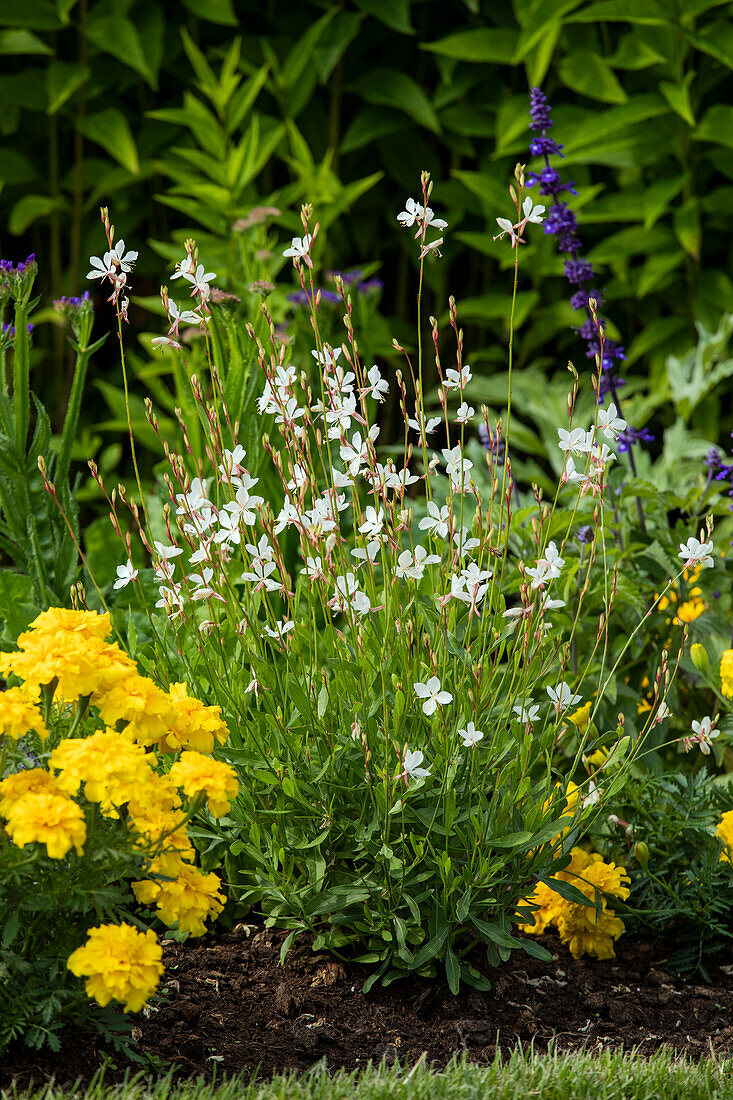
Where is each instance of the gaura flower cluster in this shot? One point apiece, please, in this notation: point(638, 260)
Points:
point(65, 653)
point(585, 930)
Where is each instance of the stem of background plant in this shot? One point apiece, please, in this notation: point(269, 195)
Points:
point(68, 438)
point(81, 107)
point(21, 369)
point(129, 421)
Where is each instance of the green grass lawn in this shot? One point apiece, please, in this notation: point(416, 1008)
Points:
point(523, 1075)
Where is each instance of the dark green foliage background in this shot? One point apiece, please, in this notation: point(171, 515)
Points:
point(641, 91)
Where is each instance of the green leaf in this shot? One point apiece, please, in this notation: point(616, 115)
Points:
point(599, 127)
point(688, 228)
point(494, 934)
point(716, 126)
point(566, 890)
point(369, 124)
point(391, 88)
point(119, 37)
point(535, 950)
point(301, 53)
point(452, 970)
point(716, 40)
point(62, 80)
point(590, 75)
point(37, 15)
point(111, 130)
point(393, 13)
point(649, 13)
point(17, 607)
point(635, 54)
point(480, 45)
point(30, 208)
point(678, 96)
point(492, 190)
point(655, 269)
point(510, 840)
point(22, 42)
point(214, 11)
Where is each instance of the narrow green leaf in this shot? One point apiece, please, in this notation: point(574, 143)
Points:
point(111, 130)
point(369, 124)
point(22, 42)
point(678, 96)
point(452, 970)
point(483, 44)
point(393, 13)
point(119, 37)
point(650, 13)
point(716, 40)
point(214, 11)
point(301, 53)
point(36, 15)
point(716, 126)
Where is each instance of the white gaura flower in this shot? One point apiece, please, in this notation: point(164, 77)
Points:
point(378, 388)
point(663, 712)
point(233, 460)
point(464, 413)
point(347, 592)
point(463, 541)
point(413, 212)
point(176, 316)
point(610, 422)
point(261, 577)
point(570, 473)
point(696, 553)
point(281, 629)
point(548, 568)
point(373, 522)
point(459, 379)
point(167, 552)
point(367, 553)
point(563, 697)
point(413, 565)
point(506, 227)
point(300, 248)
point(203, 589)
point(356, 452)
point(436, 521)
point(314, 568)
point(165, 342)
point(418, 424)
point(531, 213)
point(470, 735)
point(432, 694)
point(430, 219)
point(115, 258)
point(327, 357)
point(411, 765)
point(200, 279)
point(704, 734)
point(125, 574)
point(572, 441)
point(186, 266)
point(527, 715)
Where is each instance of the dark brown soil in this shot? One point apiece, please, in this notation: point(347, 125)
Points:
point(227, 1006)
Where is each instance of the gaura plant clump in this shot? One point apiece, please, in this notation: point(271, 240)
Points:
point(67, 854)
point(391, 651)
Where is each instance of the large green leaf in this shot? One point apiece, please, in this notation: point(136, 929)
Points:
point(62, 80)
point(30, 208)
point(111, 130)
point(393, 13)
point(588, 73)
point(391, 88)
point(119, 37)
point(716, 126)
point(215, 11)
point(22, 42)
point(678, 96)
point(648, 12)
point(36, 15)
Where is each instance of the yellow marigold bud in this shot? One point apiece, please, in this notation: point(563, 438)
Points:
point(726, 673)
point(119, 963)
point(50, 819)
point(699, 656)
point(641, 851)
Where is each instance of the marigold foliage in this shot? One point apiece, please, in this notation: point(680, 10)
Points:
point(119, 963)
point(583, 930)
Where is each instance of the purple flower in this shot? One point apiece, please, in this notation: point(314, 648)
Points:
point(585, 534)
point(304, 297)
point(627, 439)
point(578, 271)
point(370, 285)
point(539, 109)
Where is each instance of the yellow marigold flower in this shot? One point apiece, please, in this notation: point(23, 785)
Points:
point(196, 726)
point(89, 625)
point(598, 758)
point(688, 611)
point(50, 819)
point(726, 673)
point(725, 832)
point(581, 717)
point(154, 824)
point(188, 901)
point(158, 795)
point(30, 781)
point(580, 928)
point(141, 703)
point(194, 772)
point(19, 714)
point(551, 906)
point(111, 767)
point(82, 665)
point(119, 963)
point(571, 797)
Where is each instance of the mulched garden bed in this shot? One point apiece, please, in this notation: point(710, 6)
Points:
point(229, 1006)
